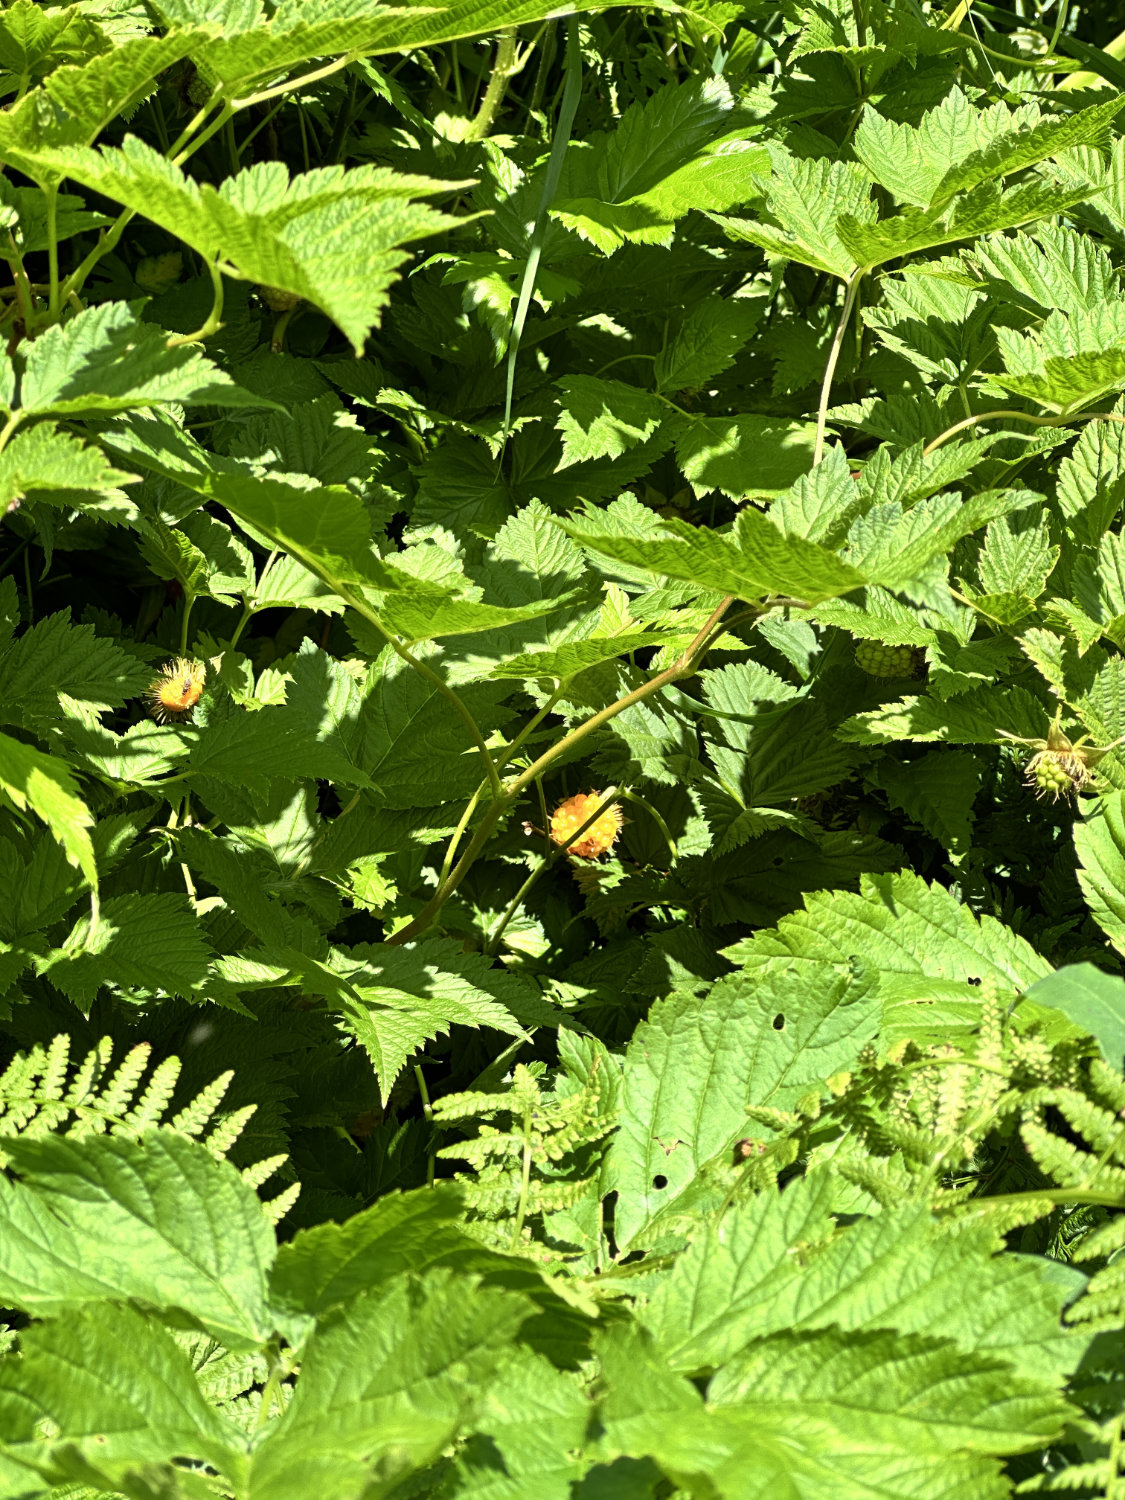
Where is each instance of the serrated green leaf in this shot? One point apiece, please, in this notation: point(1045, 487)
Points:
point(604, 418)
point(158, 1219)
point(755, 560)
point(744, 456)
point(148, 943)
point(105, 360)
point(46, 786)
point(706, 342)
point(691, 1069)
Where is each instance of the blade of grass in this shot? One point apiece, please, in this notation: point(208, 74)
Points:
point(572, 90)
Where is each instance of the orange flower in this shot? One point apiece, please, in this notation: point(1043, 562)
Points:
point(177, 690)
point(569, 817)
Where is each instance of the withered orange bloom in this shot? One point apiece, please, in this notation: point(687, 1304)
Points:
point(177, 690)
point(569, 817)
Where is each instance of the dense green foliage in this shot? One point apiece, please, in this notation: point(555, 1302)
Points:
point(709, 418)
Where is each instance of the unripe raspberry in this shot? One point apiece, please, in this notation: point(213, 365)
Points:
point(569, 817)
point(878, 659)
point(1057, 773)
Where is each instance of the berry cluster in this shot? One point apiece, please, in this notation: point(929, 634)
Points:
point(569, 817)
point(1057, 773)
point(878, 659)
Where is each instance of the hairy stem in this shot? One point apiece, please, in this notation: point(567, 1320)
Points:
point(507, 64)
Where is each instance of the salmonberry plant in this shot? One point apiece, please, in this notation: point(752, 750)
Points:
point(562, 819)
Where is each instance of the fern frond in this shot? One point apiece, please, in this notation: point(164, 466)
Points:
point(118, 1093)
point(228, 1130)
point(194, 1119)
point(275, 1209)
point(154, 1101)
point(262, 1171)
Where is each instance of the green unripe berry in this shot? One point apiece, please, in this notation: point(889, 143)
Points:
point(878, 659)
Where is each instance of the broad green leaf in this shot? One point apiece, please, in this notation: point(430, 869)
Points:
point(982, 717)
point(148, 943)
point(1091, 998)
point(326, 528)
point(691, 1069)
point(744, 456)
point(158, 1220)
point(47, 465)
point(394, 1000)
point(956, 147)
point(741, 1280)
point(332, 236)
point(256, 49)
point(807, 198)
point(1056, 267)
point(985, 209)
point(117, 1394)
point(938, 790)
point(578, 656)
point(915, 937)
point(77, 102)
point(1069, 361)
point(706, 342)
point(392, 1379)
point(604, 418)
point(55, 657)
point(667, 157)
point(416, 747)
point(418, 617)
point(105, 360)
point(45, 785)
point(329, 1265)
point(753, 561)
point(1100, 842)
point(804, 1415)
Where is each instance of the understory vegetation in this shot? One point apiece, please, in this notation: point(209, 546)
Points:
point(562, 750)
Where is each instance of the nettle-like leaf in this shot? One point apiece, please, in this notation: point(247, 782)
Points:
point(806, 199)
point(174, 1228)
point(46, 786)
point(332, 236)
point(666, 157)
point(106, 360)
point(694, 1067)
point(76, 103)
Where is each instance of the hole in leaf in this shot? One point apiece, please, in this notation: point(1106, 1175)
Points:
point(779, 1023)
point(974, 979)
point(660, 1181)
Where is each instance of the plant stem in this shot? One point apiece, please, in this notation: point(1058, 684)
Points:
point(451, 848)
point(833, 356)
point(507, 64)
point(214, 320)
point(682, 667)
point(189, 600)
point(1020, 416)
point(54, 301)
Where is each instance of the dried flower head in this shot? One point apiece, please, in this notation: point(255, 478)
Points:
point(177, 690)
point(569, 817)
point(1060, 768)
